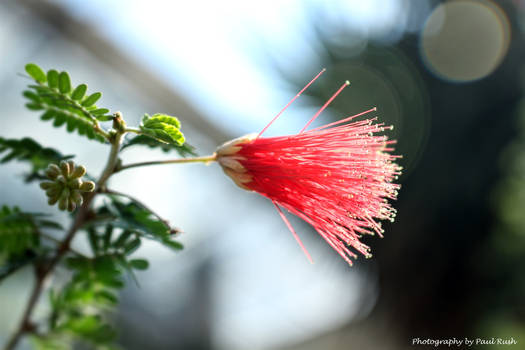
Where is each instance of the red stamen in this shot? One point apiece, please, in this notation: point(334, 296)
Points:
point(325, 105)
point(290, 227)
point(289, 103)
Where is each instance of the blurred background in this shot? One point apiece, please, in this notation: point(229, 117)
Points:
point(448, 74)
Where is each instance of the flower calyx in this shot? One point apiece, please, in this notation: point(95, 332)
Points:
point(66, 186)
point(231, 162)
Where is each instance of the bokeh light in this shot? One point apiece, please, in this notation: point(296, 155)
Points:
point(465, 40)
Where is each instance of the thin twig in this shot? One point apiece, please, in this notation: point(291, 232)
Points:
point(204, 159)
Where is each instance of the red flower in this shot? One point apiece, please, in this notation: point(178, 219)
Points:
point(337, 177)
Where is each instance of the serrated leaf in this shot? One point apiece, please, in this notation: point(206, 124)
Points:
point(52, 78)
point(64, 83)
point(139, 264)
point(79, 92)
point(163, 128)
point(36, 72)
point(141, 140)
point(91, 99)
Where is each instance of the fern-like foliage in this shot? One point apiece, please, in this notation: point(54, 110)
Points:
point(138, 223)
point(54, 95)
point(163, 128)
point(183, 150)
point(18, 232)
point(30, 151)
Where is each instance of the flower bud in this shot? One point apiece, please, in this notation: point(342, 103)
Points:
point(78, 172)
point(76, 196)
point(64, 167)
point(87, 186)
point(52, 171)
point(66, 185)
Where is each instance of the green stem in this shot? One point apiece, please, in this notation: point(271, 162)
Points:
point(43, 272)
point(133, 130)
point(205, 159)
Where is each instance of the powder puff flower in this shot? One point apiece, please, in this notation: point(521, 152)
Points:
point(337, 177)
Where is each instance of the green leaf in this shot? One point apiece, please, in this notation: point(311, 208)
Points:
point(18, 231)
point(30, 151)
point(64, 106)
point(36, 72)
point(141, 140)
point(139, 264)
point(132, 246)
point(172, 244)
point(64, 83)
point(104, 118)
point(133, 218)
point(52, 78)
point(106, 297)
point(163, 128)
point(99, 111)
point(91, 99)
point(79, 92)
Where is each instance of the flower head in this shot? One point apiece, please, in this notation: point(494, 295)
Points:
point(338, 177)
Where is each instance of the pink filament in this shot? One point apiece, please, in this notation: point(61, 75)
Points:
point(289, 103)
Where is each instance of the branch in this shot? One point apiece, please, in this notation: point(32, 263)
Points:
point(43, 272)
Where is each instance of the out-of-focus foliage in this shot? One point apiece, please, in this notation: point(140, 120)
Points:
point(30, 151)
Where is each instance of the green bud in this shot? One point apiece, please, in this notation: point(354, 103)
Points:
point(71, 165)
point(75, 183)
point(53, 192)
point(61, 180)
point(64, 167)
point(71, 206)
point(78, 172)
point(87, 186)
point(62, 202)
point(46, 185)
point(76, 196)
point(52, 171)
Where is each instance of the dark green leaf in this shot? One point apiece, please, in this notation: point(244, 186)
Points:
point(18, 231)
point(36, 72)
point(79, 92)
point(106, 297)
point(32, 152)
point(64, 83)
point(139, 264)
point(91, 99)
point(132, 246)
point(34, 106)
point(172, 244)
point(104, 118)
